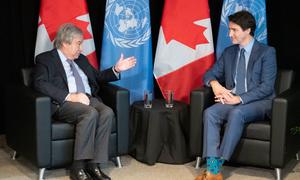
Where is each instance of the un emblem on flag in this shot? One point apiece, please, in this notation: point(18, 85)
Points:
point(127, 22)
point(256, 7)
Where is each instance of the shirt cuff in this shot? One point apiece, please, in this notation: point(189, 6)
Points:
point(67, 96)
point(208, 83)
point(117, 74)
point(241, 100)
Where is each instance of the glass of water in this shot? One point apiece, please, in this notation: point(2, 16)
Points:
point(169, 98)
point(148, 97)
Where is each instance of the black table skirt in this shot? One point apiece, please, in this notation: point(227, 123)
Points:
point(159, 134)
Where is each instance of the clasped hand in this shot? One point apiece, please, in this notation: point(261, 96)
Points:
point(227, 98)
point(79, 97)
point(223, 95)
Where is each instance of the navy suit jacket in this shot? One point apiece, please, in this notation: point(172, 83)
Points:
point(49, 76)
point(261, 71)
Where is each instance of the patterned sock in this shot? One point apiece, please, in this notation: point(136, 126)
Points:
point(220, 162)
point(213, 165)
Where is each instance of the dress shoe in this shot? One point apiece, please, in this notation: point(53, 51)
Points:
point(208, 176)
point(79, 174)
point(97, 174)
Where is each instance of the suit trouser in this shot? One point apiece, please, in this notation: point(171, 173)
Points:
point(236, 116)
point(93, 127)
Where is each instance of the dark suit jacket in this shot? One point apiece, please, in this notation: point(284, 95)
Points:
point(49, 76)
point(261, 71)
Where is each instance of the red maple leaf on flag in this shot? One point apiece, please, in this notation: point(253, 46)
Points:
point(55, 16)
point(54, 13)
point(83, 26)
point(179, 19)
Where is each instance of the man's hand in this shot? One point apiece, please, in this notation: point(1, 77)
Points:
point(125, 64)
point(228, 99)
point(233, 100)
point(218, 89)
point(223, 95)
point(79, 97)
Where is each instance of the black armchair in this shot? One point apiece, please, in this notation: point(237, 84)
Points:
point(32, 133)
point(267, 143)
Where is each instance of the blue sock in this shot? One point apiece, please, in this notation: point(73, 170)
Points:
point(221, 162)
point(213, 165)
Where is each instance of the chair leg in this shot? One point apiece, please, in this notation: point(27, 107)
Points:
point(14, 155)
point(118, 159)
point(278, 173)
point(297, 156)
point(198, 160)
point(41, 173)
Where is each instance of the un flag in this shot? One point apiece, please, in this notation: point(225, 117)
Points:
point(256, 7)
point(127, 30)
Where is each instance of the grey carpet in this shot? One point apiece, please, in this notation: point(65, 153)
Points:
point(20, 169)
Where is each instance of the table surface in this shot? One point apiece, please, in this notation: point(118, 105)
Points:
point(159, 134)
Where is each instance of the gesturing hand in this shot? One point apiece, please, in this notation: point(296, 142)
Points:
point(125, 64)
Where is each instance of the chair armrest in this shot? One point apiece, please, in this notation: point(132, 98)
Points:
point(285, 115)
point(29, 124)
point(118, 99)
point(200, 100)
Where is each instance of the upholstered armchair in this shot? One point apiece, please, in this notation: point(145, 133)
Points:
point(266, 143)
point(46, 143)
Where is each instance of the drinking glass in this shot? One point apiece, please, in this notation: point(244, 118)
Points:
point(148, 99)
point(169, 98)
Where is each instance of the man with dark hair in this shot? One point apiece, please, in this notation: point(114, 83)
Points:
point(66, 76)
point(242, 81)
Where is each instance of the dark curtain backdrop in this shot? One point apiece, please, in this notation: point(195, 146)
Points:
point(19, 26)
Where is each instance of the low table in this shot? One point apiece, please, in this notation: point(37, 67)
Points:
point(159, 134)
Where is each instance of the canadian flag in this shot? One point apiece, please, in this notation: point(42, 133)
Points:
point(54, 13)
point(185, 47)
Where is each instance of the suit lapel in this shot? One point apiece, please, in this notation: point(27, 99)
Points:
point(252, 59)
point(84, 67)
point(59, 65)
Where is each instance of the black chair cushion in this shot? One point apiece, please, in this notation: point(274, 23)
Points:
point(260, 130)
point(61, 130)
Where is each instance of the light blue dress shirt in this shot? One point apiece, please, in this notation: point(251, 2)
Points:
point(248, 49)
point(70, 76)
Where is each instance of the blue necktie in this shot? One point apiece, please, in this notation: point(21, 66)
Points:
point(78, 80)
point(241, 73)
